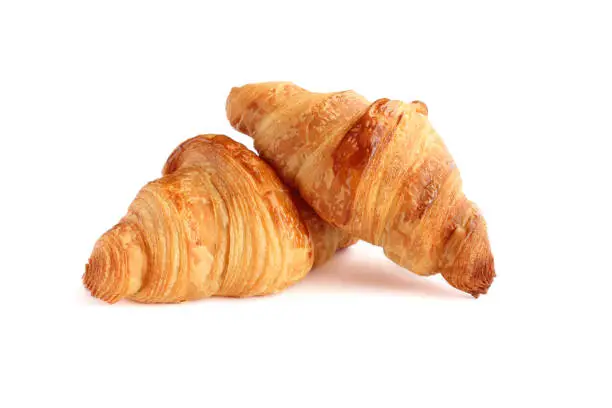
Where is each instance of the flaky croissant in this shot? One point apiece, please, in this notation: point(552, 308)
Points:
point(377, 170)
point(218, 223)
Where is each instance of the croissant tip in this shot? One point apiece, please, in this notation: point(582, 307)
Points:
point(105, 276)
point(474, 278)
point(92, 280)
point(482, 279)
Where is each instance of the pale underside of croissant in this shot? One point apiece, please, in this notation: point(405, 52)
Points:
point(377, 170)
point(218, 223)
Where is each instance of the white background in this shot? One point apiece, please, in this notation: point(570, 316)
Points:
point(93, 98)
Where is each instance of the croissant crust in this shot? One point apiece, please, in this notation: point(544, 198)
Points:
point(218, 223)
point(378, 171)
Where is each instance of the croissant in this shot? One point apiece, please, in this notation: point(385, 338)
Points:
point(218, 223)
point(377, 170)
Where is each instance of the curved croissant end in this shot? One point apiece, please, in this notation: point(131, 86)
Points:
point(377, 170)
point(116, 264)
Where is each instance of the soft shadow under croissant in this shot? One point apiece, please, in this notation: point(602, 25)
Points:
point(218, 223)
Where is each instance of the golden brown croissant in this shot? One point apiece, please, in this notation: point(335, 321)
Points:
point(377, 170)
point(218, 223)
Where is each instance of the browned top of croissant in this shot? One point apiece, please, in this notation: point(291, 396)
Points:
point(377, 170)
point(197, 152)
